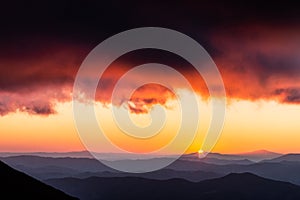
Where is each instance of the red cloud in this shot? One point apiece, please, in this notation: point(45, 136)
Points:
point(147, 96)
point(33, 79)
point(260, 62)
point(256, 62)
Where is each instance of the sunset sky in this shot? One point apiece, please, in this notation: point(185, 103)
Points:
point(256, 49)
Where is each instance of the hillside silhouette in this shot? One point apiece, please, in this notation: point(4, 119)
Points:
point(244, 186)
point(17, 185)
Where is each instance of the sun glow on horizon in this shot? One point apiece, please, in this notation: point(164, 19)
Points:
point(200, 151)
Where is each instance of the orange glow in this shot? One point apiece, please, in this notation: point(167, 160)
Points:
point(248, 126)
point(24, 132)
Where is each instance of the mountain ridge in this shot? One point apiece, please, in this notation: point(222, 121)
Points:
point(15, 184)
point(291, 157)
point(233, 186)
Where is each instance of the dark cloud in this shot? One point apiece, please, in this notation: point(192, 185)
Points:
point(254, 44)
point(92, 21)
point(37, 109)
point(36, 81)
point(288, 95)
point(256, 60)
point(38, 101)
point(20, 104)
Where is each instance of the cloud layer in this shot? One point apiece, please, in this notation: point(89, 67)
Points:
point(260, 62)
point(256, 49)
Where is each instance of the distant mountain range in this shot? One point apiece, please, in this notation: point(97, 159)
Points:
point(244, 186)
point(284, 171)
point(45, 168)
point(254, 156)
point(217, 176)
point(84, 154)
point(284, 168)
point(75, 154)
point(70, 164)
point(259, 155)
point(215, 158)
point(163, 174)
point(243, 158)
point(17, 185)
point(285, 158)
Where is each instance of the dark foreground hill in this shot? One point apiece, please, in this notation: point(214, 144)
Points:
point(233, 186)
point(17, 185)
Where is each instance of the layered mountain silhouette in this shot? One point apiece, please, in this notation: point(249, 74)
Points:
point(242, 158)
point(214, 158)
point(45, 168)
point(233, 186)
point(286, 158)
point(259, 155)
point(17, 185)
point(78, 164)
point(162, 174)
point(247, 157)
point(188, 177)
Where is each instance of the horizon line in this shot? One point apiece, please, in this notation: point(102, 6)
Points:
point(82, 151)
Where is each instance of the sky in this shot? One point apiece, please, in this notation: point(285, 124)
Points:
point(255, 46)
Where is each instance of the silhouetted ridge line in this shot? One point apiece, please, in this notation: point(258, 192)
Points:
point(17, 185)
